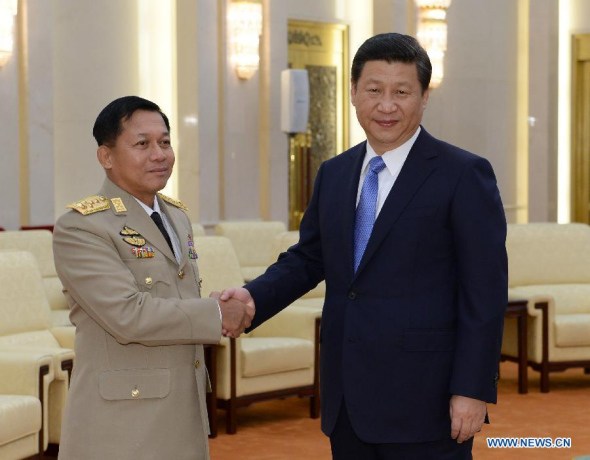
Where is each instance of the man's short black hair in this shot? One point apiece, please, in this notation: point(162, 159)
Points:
point(109, 123)
point(393, 47)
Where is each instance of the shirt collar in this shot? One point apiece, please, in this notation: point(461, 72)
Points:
point(391, 158)
point(149, 210)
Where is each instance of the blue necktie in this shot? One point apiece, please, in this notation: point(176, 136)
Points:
point(365, 211)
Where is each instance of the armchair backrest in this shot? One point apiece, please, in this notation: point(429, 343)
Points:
point(251, 239)
point(23, 305)
point(218, 264)
point(40, 244)
point(198, 230)
point(548, 253)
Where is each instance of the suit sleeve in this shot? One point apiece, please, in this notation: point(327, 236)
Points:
point(297, 271)
point(98, 281)
point(479, 232)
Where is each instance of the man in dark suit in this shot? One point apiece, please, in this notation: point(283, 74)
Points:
point(409, 234)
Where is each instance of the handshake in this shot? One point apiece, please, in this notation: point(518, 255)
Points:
point(237, 310)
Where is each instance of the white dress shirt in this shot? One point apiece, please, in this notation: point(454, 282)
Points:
point(173, 236)
point(394, 160)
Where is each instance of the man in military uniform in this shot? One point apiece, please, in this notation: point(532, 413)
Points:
point(127, 261)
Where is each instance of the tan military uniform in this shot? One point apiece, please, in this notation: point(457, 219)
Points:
point(139, 382)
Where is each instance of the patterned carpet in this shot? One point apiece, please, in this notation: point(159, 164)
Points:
point(282, 430)
point(285, 431)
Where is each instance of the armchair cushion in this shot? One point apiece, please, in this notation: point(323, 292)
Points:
point(572, 330)
point(20, 416)
point(264, 356)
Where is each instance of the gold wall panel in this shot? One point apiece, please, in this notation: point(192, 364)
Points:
point(321, 49)
point(581, 129)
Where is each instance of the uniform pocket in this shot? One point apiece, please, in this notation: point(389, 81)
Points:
point(150, 275)
point(134, 384)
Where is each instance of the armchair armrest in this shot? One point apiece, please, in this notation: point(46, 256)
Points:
point(20, 372)
point(299, 322)
point(65, 335)
point(63, 358)
point(29, 374)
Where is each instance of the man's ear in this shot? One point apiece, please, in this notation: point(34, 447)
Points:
point(104, 156)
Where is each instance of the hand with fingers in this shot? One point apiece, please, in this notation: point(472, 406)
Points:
point(467, 417)
point(237, 310)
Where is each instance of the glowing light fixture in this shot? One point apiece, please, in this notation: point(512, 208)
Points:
point(245, 27)
point(8, 9)
point(432, 34)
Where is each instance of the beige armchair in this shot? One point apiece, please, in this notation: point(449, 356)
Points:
point(313, 299)
point(549, 268)
point(198, 230)
point(26, 328)
point(251, 240)
point(278, 359)
point(40, 244)
point(24, 384)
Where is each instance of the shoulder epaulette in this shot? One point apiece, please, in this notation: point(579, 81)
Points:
point(173, 202)
point(90, 205)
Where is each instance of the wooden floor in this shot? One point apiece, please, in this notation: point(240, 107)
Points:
point(282, 430)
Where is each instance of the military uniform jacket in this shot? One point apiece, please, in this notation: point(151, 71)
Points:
point(139, 381)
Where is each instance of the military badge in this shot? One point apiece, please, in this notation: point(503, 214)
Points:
point(128, 232)
point(143, 252)
point(192, 253)
point(135, 241)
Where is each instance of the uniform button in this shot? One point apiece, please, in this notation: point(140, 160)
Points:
point(352, 295)
point(181, 274)
point(197, 364)
point(148, 280)
point(135, 393)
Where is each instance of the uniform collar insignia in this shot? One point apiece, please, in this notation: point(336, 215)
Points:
point(118, 205)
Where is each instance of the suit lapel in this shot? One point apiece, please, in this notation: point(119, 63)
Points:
point(353, 172)
point(416, 169)
point(181, 232)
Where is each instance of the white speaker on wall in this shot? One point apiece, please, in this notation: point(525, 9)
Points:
point(294, 101)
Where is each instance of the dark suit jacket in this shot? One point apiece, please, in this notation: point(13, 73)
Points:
point(422, 318)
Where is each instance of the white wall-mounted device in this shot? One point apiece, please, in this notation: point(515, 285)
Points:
point(294, 101)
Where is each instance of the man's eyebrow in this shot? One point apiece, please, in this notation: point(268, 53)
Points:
point(164, 133)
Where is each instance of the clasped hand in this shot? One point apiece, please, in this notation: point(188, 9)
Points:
point(237, 310)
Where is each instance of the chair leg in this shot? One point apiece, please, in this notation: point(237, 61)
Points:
point(232, 419)
point(232, 422)
point(314, 407)
point(544, 379)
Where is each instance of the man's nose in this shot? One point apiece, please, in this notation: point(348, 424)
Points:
point(157, 153)
point(387, 104)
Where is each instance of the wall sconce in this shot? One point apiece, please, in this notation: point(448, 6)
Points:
point(432, 34)
point(8, 9)
point(245, 27)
